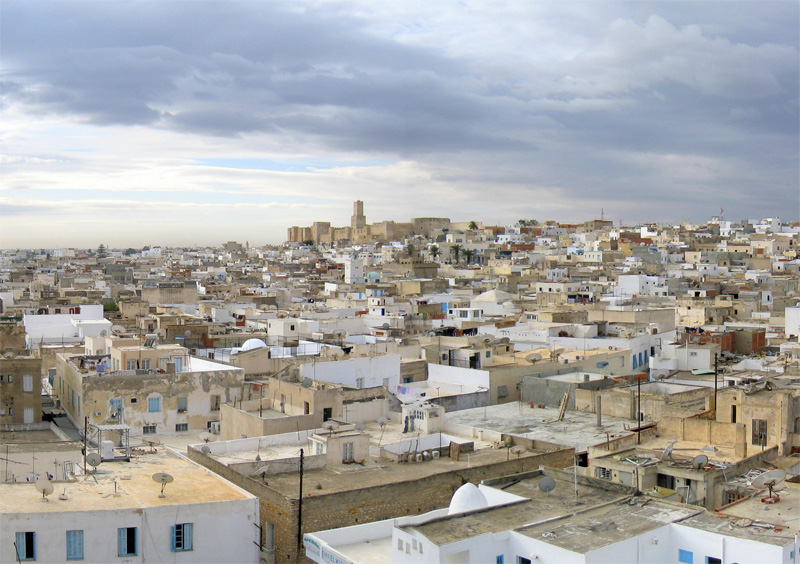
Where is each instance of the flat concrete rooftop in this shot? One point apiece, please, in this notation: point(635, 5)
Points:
point(784, 514)
point(124, 485)
point(608, 524)
point(578, 429)
point(539, 506)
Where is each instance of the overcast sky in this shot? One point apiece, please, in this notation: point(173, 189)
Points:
point(132, 123)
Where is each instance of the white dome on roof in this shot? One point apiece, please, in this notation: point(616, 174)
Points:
point(467, 498)
point(251, 344)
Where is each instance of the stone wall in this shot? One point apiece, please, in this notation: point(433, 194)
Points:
point(363, 505)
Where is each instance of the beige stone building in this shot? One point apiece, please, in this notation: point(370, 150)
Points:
point(20, 393)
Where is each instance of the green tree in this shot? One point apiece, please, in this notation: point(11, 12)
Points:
point(455, 250)
point(411, 250)
point(101, 251)
point(434, 252)
point(468, 254)
point(473, 225)
point(129, 252)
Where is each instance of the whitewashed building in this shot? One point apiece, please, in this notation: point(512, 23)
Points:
point(122, 517)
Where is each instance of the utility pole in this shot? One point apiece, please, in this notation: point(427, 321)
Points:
point(715, 382)
point(638, 410)
point(300, 510)
point(85, 433)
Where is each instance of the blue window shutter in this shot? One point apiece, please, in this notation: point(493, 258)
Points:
point(122, 544)
point(20, 546)
point(187, 536)
point(174, 529)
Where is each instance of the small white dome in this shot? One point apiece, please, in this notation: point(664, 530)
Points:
point(251, 344)
point(467, 498)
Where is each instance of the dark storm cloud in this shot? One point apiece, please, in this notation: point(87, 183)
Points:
point(629, 100)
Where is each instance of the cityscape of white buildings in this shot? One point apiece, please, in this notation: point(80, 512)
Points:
point(429, 391)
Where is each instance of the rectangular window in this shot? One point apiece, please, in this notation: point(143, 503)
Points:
point(74, 545)
point(130, 365)
point(604, 473)
point(182, 537)
point(149, 429)
point(759, 432)
point(146, 363)
point(500, 559)
point(27, 383)
point(126, 541)
point(180, 427)
point(182, 401)
point(154, 405)
point(714, 560)
point(347, 451)
point(214, 403)
point(26, 546)
point(685, 556)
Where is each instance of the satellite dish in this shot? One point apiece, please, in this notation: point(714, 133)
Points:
point(360, 426)
point(164, 479)
point(153, 442)
point(667, 452)
point(117, 330)
point(207, 437)
point(382, 421)
point(261, 471)
point(161, 332)
point(518, 450)
point(103, 333)
point(769, 480)
point(331, 426)
point(205, 450)
point(94, 459)
point(699, 461)
point(188, 332)
point(547, 485)
point(45, 486)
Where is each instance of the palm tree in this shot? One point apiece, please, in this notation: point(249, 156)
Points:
point(473, 225)
point(468, 254)
point(411, 250)
point(455, 250)
point(434, 252)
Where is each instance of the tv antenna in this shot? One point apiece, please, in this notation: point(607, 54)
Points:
point(547, 485)
point(44, 486)
point(164, 479)
point(769, 480)
point(699, 461)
